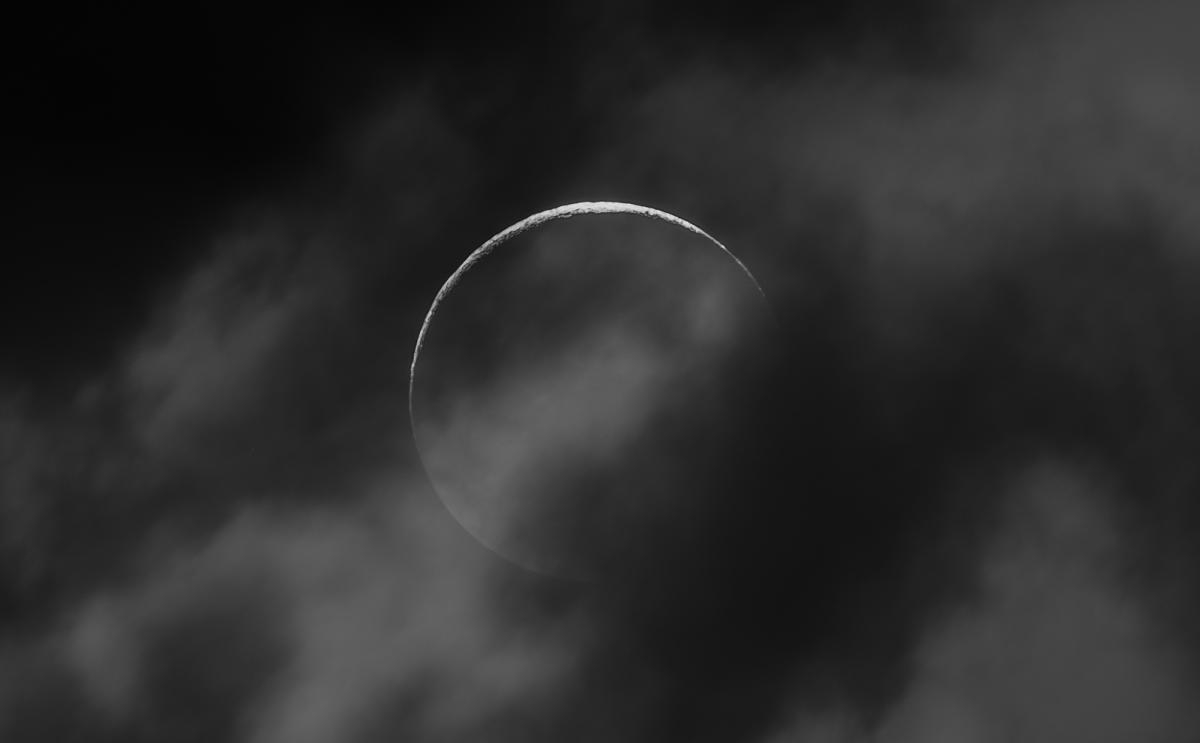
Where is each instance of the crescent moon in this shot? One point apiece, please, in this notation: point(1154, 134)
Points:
point(562, 212)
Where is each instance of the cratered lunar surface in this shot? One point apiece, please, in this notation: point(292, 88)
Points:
point(575, 376)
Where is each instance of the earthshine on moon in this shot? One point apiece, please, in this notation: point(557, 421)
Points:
point(456, 507)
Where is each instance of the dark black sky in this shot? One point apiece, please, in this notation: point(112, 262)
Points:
point(957, 499)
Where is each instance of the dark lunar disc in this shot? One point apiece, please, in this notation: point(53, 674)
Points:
point(575, 379)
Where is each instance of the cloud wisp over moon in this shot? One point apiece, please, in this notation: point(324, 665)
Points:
point(547, 387)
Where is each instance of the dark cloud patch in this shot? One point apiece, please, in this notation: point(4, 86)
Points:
point(209, 661)
point(45, 700)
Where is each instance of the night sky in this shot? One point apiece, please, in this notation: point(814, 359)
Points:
point(946, 489)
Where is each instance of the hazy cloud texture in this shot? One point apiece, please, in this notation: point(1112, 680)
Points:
point(959, 503)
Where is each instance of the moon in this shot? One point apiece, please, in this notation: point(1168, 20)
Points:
point(607, 391)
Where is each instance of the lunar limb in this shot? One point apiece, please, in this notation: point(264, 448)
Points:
point(475, 524)
point(559, 212)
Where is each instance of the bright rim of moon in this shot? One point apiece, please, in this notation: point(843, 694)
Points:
point(530, 222)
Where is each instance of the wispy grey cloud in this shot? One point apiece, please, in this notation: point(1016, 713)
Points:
point(1055, 647)
point(228, 537)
